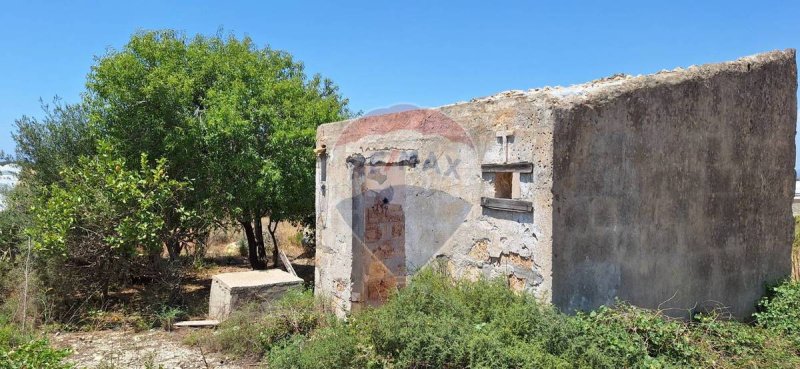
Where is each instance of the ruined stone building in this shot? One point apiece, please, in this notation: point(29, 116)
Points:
point(670, 190)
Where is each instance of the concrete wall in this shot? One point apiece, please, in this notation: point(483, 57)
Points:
point(432, 159)
point(671, 190)
point(674, 190)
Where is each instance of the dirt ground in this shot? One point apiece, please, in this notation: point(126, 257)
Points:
point(152, 349)
point(122, 347)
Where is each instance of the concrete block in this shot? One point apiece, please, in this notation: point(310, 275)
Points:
point(231, 291)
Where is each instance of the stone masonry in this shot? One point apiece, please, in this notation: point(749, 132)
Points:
point(670, 190)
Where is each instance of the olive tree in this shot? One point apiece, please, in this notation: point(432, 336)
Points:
point(47, 145)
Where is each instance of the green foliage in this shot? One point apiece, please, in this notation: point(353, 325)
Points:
point(327, 347)
point(48, 145)
point(14, 218)
point(780, 310)
point(438, 323)
point(89, 227)
point(104, 204)
point(20, 350)
point(237, 120)
point(168, 315)
point(796, 250)
point(295, 313)
point(11, 238)
point(34, 354)
point(255, 329)
point(241, 247)
point(10, 334)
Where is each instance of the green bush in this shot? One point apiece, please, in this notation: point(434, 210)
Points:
point(255, 329)
point(34, 354)
point(439, 323)
point(796, 250)
point(10, 334)
point(167, 316)
point(780, 310)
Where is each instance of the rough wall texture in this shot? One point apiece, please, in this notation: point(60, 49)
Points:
point(401, 190)
point(675, 186)
point(674, 190)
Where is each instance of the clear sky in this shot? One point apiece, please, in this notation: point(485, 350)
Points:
point(384, 53)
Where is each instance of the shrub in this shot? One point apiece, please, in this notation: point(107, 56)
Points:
point(328, 347)
point(780, 310)
point(439, 323)
point(10, 334)
point(167, 316)
point(255, 329)
point(242, 247)
point(796, 250)
point(34, 354)
point(92, 229)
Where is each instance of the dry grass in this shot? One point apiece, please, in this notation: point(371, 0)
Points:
point(289, 239)
point(139, 303)
point(224, 241)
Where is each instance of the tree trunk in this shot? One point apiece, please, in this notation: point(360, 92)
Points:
point(252, 247)
point(173, 242)
point(259, 233)
point(154, 256)
point(272, 227)
point(173, 248)
point(105, 282)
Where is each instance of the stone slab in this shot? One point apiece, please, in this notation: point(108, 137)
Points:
point(231, 291)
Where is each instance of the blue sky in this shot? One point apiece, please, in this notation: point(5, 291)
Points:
point(381, 54)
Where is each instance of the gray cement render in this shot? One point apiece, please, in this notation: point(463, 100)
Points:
point(670, 190)
point(231, 291)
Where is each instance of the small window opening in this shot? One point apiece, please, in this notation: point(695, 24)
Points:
point(323, 169)
point(503, 185)
point(323, 162)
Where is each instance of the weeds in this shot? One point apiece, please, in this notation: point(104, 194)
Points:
point(255, 329)
point(439, 323)
point(167, 316)
point(780, 311)
point(34, 354)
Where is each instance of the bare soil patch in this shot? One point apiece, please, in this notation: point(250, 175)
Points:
point(151, 349)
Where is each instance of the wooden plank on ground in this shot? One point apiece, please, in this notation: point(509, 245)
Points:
point(286, 263)
point(197, 323)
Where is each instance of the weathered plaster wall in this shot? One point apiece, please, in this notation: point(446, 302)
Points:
point(671, 190)
point(438, 194)
point(674, 190)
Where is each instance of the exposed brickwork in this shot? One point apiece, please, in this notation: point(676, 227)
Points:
point(516, 260)
point(516, 284)
point(479, 250)
point(385, 240)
